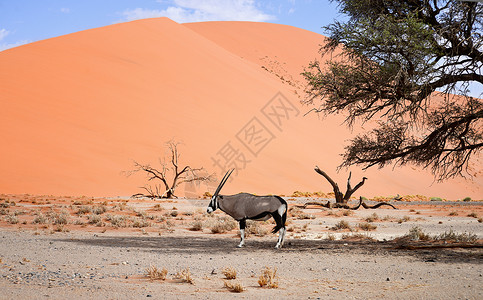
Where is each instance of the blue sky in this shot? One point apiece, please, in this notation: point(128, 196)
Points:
point(26, 21)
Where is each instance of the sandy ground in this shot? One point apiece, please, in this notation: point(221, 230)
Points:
point(83, 259)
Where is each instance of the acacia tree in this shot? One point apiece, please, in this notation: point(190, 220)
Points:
point(409, 65)
point(167, 187)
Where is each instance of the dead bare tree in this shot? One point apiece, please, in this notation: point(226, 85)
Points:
point(342, 199)
point(172, 169)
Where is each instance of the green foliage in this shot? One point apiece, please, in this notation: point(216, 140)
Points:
point(395, 56)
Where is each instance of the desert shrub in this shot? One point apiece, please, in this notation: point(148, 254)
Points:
point(84, 209)
point(40, 219)
point(451, 236)
point(414, 198)
point(403, 219)
point(300, 194)
point(467, 199)
point(120, 207)
point(117, 221)
point(372, 218)
point(140, 223)
point(79, 222)
point(94, 219)
point(347, 212)
point(141, 214)
point(436, 199)
point(196, 226)
point(99, 210)
point(254, 227)
point(417, 234)
point(453, 213)
point(60, 228)
point(268, 278)
point(367, 226)
point(185, 276)
point(358, 237)
point(11, 219)
point(5, 204)
point(235, 287)
point(20, 212)
point(154, 273)
point(222, 224)
point(341, 225)
point(473, 215)
point(229, 272)
point(157, 207)
point(297, 213)
point(60, 218)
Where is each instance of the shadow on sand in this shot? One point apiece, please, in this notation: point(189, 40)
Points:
point(227, 245)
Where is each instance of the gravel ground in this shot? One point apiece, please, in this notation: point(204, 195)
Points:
point(112, 266)
point(101, 261)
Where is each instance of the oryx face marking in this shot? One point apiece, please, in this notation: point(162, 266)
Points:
point(212, 206)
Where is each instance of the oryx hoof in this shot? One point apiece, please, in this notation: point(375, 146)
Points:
point(277, 246)
point(241, 245)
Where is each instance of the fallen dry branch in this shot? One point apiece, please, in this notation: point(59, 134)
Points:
point(346, 206)
point(342, 199)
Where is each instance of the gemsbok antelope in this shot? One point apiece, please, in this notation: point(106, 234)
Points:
point(245, 206)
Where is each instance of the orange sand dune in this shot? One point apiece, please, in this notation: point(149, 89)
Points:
point(78, 109)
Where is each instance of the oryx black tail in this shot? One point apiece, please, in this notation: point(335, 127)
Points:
point(280, 219)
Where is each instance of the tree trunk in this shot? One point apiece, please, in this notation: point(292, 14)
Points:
point(339, 197)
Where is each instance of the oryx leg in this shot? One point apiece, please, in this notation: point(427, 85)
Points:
point(280, 216)
point(281, 235)
point(243, 224)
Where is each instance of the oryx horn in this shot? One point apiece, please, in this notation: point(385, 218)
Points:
point(222, 182)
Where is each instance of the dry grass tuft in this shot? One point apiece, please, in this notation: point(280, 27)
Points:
point(268, 278)
point(196, 225)
point(347, 212)
point(229, 272)
point(357, 237)
point(452, 236)
point(417, 234)
point(235, 287)
point(254, 227)
point(222, 225)
point(154, 273)
point(185, 276)
point(341, 225)
point(367, 226)
point(297, 213)
point(473, 215)
point(403, 219)
point(372, 218)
